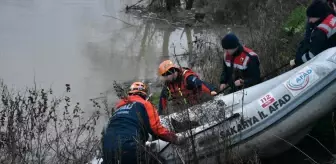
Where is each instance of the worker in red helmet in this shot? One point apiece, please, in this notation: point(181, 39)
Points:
point(128, 128)
point(181, 84)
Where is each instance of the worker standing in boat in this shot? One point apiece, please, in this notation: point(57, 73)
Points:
point(128, 128)
point(181, 84)
point(322, 20)
point(240, 65)
point(304, 44)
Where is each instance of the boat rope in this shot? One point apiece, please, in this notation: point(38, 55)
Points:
point(233, 116)
point(179, 155)
point(274, 71)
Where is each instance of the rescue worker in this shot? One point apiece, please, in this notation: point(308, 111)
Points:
point(181, 84)
point(309, 28)
point(128, 128)
point(240, 65)
point(323, 22)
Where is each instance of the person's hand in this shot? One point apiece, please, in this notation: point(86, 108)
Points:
point(222, 86)
point(213, 93)
point(239, 82)
point(292, 63)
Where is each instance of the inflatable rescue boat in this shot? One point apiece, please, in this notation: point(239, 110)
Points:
point(267, 118)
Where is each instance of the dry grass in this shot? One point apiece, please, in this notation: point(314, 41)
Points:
point(39, 128)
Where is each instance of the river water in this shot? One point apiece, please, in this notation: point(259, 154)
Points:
point(76, 42)
point(85, 43)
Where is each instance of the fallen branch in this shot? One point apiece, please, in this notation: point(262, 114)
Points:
point(296, 148)
point(321, 145)
point(175, 25)
point(130, 7)
point(119, 20)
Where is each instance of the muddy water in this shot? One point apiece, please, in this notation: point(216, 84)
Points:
point(58, 42)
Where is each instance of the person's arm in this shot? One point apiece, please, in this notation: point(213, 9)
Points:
point(253, 71)
point(156, 128)
point(303, 47)
point(195, 82)
point(224, 75)
point(308, 30)
point(319, 42)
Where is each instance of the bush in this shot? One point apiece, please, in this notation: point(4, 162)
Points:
point(296, 21)
point(37, 127)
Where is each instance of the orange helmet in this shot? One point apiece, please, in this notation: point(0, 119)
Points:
point(138, 87)
point(165, 66)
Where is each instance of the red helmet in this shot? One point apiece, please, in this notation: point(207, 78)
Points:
point(138, 87)
point(165, 66)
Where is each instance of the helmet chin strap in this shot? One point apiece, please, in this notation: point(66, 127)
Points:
point(149, 96)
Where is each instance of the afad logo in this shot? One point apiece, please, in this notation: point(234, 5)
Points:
point(300, 81)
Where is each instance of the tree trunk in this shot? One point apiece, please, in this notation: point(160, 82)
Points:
point(191, 60)
point(143, 48)
point(165, 45)
point(189, 4)
point(177, 3)
point(170, 4)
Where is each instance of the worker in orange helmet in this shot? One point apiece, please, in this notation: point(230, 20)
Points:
point(181, 83)
point(127, 130)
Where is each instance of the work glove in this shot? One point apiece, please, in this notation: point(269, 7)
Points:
point(222, 87)
point(213, 93)
point(239, 82)
point(292, 63)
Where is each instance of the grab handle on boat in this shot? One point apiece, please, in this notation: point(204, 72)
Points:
point(233, 116)
point(222, 91)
